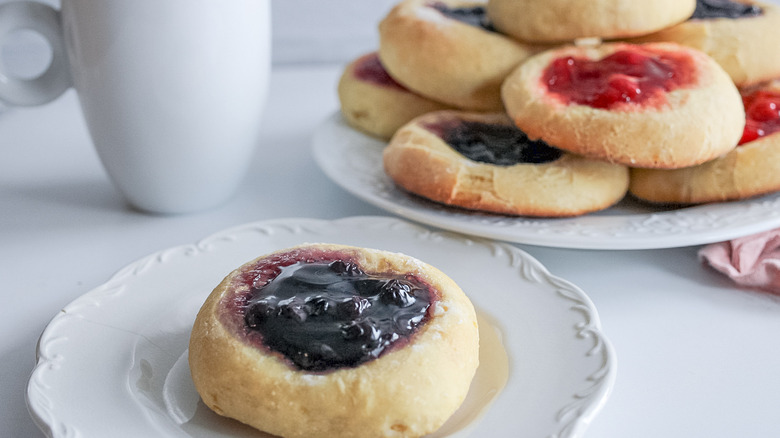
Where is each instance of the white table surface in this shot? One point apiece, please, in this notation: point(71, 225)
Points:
point(696, 356)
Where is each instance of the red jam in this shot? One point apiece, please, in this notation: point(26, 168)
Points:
point(762, 112)
point(625, 77)
point(370, 69)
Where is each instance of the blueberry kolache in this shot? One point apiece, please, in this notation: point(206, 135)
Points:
point(338, 341)
point(548, 21)
point(752, 169)
point(447, 51)
point(657, 105)
point(375, 103)
point(482, 162)
point(740, 35)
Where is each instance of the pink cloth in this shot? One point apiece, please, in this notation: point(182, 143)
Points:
point(752, 261)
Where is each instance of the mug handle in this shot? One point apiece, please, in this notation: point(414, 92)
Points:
point(50, 84)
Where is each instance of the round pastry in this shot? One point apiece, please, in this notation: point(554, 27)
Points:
point(567, 20)
point(446, 51)
point(741, 36)
point(373, 102)
point(337, 341)
point(483, 162)
point(752, 169)
point(656, 105)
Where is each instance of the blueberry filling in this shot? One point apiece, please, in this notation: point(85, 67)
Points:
point(328, 315)
point(708, 9)
point(473, 16)
point(500, 145)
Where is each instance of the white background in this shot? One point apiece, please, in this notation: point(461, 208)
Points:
point(303, 30)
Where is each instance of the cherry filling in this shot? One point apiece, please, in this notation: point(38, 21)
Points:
point(500, 145)
point(325, 315)
point(762, 111)
point(709, 9)
point(473, 16)
point(624, 77)
point(370, 69)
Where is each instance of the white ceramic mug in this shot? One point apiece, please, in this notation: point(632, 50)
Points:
point(172, 91)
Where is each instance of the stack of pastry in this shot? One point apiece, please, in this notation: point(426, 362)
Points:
point(561, 107)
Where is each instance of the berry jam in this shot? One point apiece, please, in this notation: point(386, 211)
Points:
point(624, 77)
point(500, 145)
point(329, 314)
point(762, 111)
point(370, 69)
point(473, 16)
point(709, 9)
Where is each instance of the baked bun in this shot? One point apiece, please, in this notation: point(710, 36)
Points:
point(374, 103)
point(656, 105)
point(740, 35)
point(431, 48)
point(483, 162)
point(567, 20)
point(752, 169)
point(329, 340)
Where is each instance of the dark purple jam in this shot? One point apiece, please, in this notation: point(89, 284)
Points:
point(370, 69)
point(473, 16)
point(709, 9)
point(500, 145)
point(326, 315)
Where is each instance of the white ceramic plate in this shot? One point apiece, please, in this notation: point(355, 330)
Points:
point(354, 161)
point(113, 362)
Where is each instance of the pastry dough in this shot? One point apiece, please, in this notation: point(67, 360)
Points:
point(420, 161)
point(689, 125)
point(374, 103)
point(745, 47)
point(752, 169)
point(567, 20)
point(408, 391)
point(446, 59)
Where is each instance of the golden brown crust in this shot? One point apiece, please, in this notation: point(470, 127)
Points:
point(750, 170)
point(420, 162)
point(447, 60)
point(379, 110)
point(746, 48)
point(567, 20)
point(696, 125)
point(407, 392)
